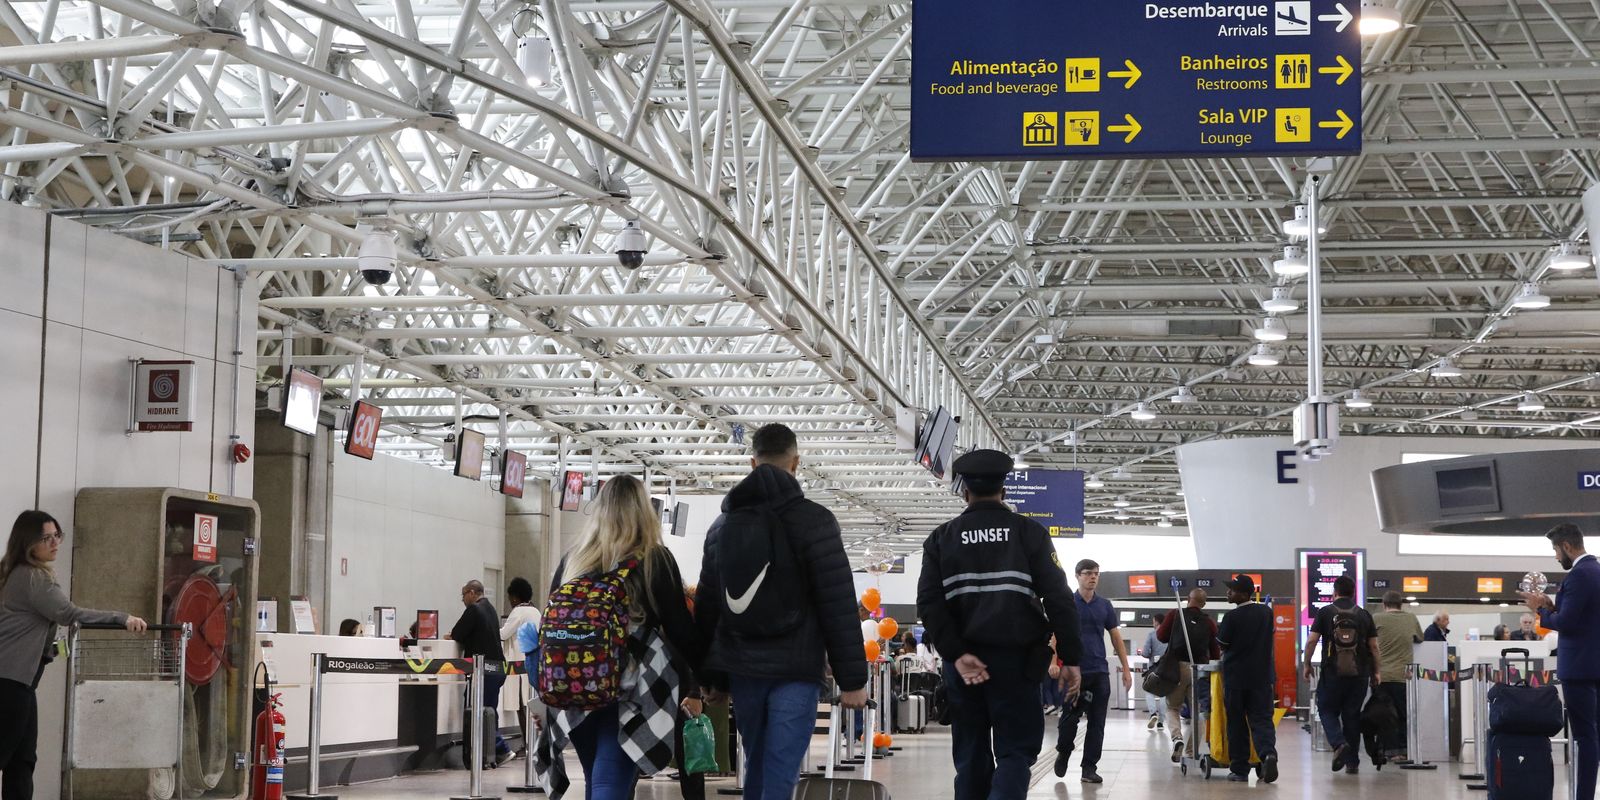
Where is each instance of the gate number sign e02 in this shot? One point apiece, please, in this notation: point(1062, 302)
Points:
point(1047, 80)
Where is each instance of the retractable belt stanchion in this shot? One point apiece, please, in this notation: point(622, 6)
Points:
point(529, 779)
point(314, 736)
point(737, 755)
point(1480, 727)
point(475, 733)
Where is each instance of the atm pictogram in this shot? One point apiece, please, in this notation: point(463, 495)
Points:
point(1292, 125)
point(1292, 71)
point(1082, 128)
point(1040, 129)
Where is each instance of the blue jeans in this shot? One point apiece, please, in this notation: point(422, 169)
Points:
point(1339, 703)
point(493, 680)
point(775, 720)
point(996, 728)
point(1583, 714)
point(608, 773)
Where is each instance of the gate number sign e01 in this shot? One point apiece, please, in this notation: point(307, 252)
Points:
point(1051, 80)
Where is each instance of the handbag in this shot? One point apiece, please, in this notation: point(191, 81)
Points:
point(699, 746)
point(1163, 678)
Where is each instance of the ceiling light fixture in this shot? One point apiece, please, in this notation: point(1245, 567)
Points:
point(1530, 403)
point(1170, 512)
point(1165, 523)
point(1018, 464)
point(1094, 482)
point(1183, 395)
point(1143, 412)
point(1265, 356)
point(1446, 368)
point(1378, 17)
point(1281, 302)
point(534, 54)
point(1121, 517)
point(1121, 502)
point(1121, 474)
point(1299, 226)
point(1272, 329)
point(1529, 298)
point(1357, 400)
point(1568, 257)
point(1293, 264)
point(1469, 415)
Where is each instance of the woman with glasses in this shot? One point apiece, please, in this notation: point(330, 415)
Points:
point(32, 604)
point(635, 735)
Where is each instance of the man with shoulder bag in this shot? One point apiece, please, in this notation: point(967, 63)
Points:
point(1350, 663)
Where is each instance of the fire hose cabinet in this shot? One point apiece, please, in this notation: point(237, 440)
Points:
point(178, 556)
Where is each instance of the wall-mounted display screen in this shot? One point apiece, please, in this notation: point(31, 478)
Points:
point(470, 445)
point(1142, 584)
point(302, 401)
point(680, 520)
point(1414, 584)
point(1491, 585)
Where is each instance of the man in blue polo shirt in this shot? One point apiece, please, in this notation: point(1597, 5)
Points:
point(1096, 618)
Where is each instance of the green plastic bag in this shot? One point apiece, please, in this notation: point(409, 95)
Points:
point(699, 746)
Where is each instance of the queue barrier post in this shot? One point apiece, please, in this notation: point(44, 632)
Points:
point(475, 733)
point(1481, 675)
point(530, 783)
point(1413, 728)
point(313, 790)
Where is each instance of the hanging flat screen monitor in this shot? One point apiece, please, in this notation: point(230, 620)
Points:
point(469, 454)
point(513, 470)
point(362, 438)
point(1468, 489)
point(572, 491)
point(680, 520)
point(936, 441)
point(302, 402)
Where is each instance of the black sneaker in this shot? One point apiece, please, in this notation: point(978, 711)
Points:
point(1061, 763)
point(1090, 776)
point(1353, 768)
point(1338, 756)
point(1177, 750)
point(1269, 768)
point(1234, 777)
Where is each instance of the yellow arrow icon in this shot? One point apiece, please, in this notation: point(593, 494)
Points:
point(1344, 124)
point(1132, 128)
point(1132, 73)
point(1344, 70)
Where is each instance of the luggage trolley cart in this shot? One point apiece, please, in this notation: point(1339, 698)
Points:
point(125, 703)
point(1195, 740)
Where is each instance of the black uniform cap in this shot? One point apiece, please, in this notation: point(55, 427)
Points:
point(984, 471)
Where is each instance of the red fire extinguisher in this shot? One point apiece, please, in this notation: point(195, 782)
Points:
point(266, 772)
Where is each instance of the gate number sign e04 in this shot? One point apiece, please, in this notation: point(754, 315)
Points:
point(1051, 80)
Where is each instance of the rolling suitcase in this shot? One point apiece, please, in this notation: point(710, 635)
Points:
point(831, 788)
point(911, 715)
point(1520, 767)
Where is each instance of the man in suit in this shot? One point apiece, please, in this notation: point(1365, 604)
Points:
point(1575, 614)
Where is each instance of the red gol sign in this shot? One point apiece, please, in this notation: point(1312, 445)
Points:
point(205, 538)
point(364, 421)
point(512, 473)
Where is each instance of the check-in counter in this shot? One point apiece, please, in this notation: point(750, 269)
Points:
point(373, 726)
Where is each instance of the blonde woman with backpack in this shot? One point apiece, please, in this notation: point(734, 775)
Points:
point(618, 649)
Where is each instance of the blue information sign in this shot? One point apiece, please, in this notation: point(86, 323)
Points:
point(1052, 497)
point(1051, 80)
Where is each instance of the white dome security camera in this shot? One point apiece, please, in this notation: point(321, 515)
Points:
point(630, 245)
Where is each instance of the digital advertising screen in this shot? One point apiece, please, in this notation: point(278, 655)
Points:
point(1315, 573)
point(469, 454)
point(362, 438)
point(302, 402)
point(572, 491)
point(513, 471)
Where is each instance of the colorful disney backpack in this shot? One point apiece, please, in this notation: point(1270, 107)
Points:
point(583, 638)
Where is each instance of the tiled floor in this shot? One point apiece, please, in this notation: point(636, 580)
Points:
point(1136, 766)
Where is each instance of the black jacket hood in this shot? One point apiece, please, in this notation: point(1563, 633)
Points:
point(765, 485)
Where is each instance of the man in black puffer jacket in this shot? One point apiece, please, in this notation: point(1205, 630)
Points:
point(777, 601)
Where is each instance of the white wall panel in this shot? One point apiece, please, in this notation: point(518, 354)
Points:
point(107, 454)
point(139, 293)
point(19, 404)
point(22, 279)
point(68, 242)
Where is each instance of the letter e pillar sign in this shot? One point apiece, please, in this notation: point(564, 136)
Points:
point(1286, 465)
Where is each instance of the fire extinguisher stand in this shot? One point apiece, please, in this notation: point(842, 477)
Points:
point(123, 693)
point(475, 733)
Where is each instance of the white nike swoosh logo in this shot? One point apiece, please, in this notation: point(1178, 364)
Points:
point(739, 605)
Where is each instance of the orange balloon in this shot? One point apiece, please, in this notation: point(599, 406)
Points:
point(887, 628)
point(872, 651)
point(871, 599)
point(881, 739)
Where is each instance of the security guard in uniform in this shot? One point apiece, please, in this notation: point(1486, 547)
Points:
point(991, 593)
